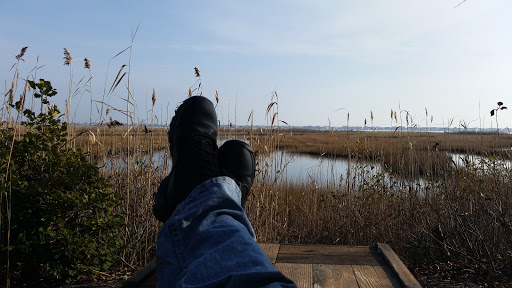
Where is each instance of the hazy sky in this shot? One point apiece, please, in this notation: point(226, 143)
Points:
point(319, 56)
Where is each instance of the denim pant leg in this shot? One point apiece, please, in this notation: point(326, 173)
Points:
point(209, 242)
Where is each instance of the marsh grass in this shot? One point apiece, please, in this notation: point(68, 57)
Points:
point(430, 211)
point(425, 207)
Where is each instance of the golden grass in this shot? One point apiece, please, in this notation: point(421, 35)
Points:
point(339, 143)
point(451, 221)
point(104, 141)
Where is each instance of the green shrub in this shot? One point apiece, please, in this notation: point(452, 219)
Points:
point(62, 219)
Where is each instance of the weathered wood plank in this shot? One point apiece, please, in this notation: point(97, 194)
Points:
point(270, 250)
point(404, 275)
point(327, 276)
point(328, 254)
point(367, 277)
point(326, 249)
point(301, 274)
point(388, 272)
point(321, 266)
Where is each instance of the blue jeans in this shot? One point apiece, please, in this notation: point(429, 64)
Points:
point(209, 242)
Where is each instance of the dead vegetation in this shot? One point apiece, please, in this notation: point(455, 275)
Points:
point(427, 209)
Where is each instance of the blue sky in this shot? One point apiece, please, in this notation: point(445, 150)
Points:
point(319, 56)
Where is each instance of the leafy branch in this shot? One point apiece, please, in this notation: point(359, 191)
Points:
point(494, 112)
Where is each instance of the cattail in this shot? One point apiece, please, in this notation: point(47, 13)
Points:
point(426, 112)
point(67, 57)
point(189, 92)
point(364, 122)
point(22, 53)
point(106, 112)
point(396, 119)
point(87, 63)
point(198, 73)
point(391, 114)
point(217, 96)
point(371, 115)
point(153, 98)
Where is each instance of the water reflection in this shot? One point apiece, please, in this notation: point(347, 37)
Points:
point(477, 161)
point(306, 169)
point(280, 166)
point(287, 167)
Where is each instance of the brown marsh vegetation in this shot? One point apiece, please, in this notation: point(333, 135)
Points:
point(455, 223)
point(446, 221)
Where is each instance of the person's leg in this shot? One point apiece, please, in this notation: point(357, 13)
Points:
point(209, 242)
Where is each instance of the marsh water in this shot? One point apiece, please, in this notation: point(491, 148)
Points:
point(287, 167)
point(477, 161)
point(283, 166)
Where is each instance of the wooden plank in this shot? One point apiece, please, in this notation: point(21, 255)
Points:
point(373, 269)
point(270, 250)
point(325, 249)
point(327, 276)
point(329, 254)
point(301, 274)
point(404, 275)
point(368, 277)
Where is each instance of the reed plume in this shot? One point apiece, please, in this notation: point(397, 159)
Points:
point(87, 63)
point(67, 57)
point(22, 53)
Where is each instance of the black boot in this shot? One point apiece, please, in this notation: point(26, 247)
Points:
point(236, 160)
point(193, 145)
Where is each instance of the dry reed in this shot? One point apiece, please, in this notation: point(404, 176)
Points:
point(456, 214)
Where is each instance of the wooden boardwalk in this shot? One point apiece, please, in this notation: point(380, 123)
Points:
point(322, 266)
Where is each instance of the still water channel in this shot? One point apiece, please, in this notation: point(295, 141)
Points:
point(283, 166)
point(318, 170)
